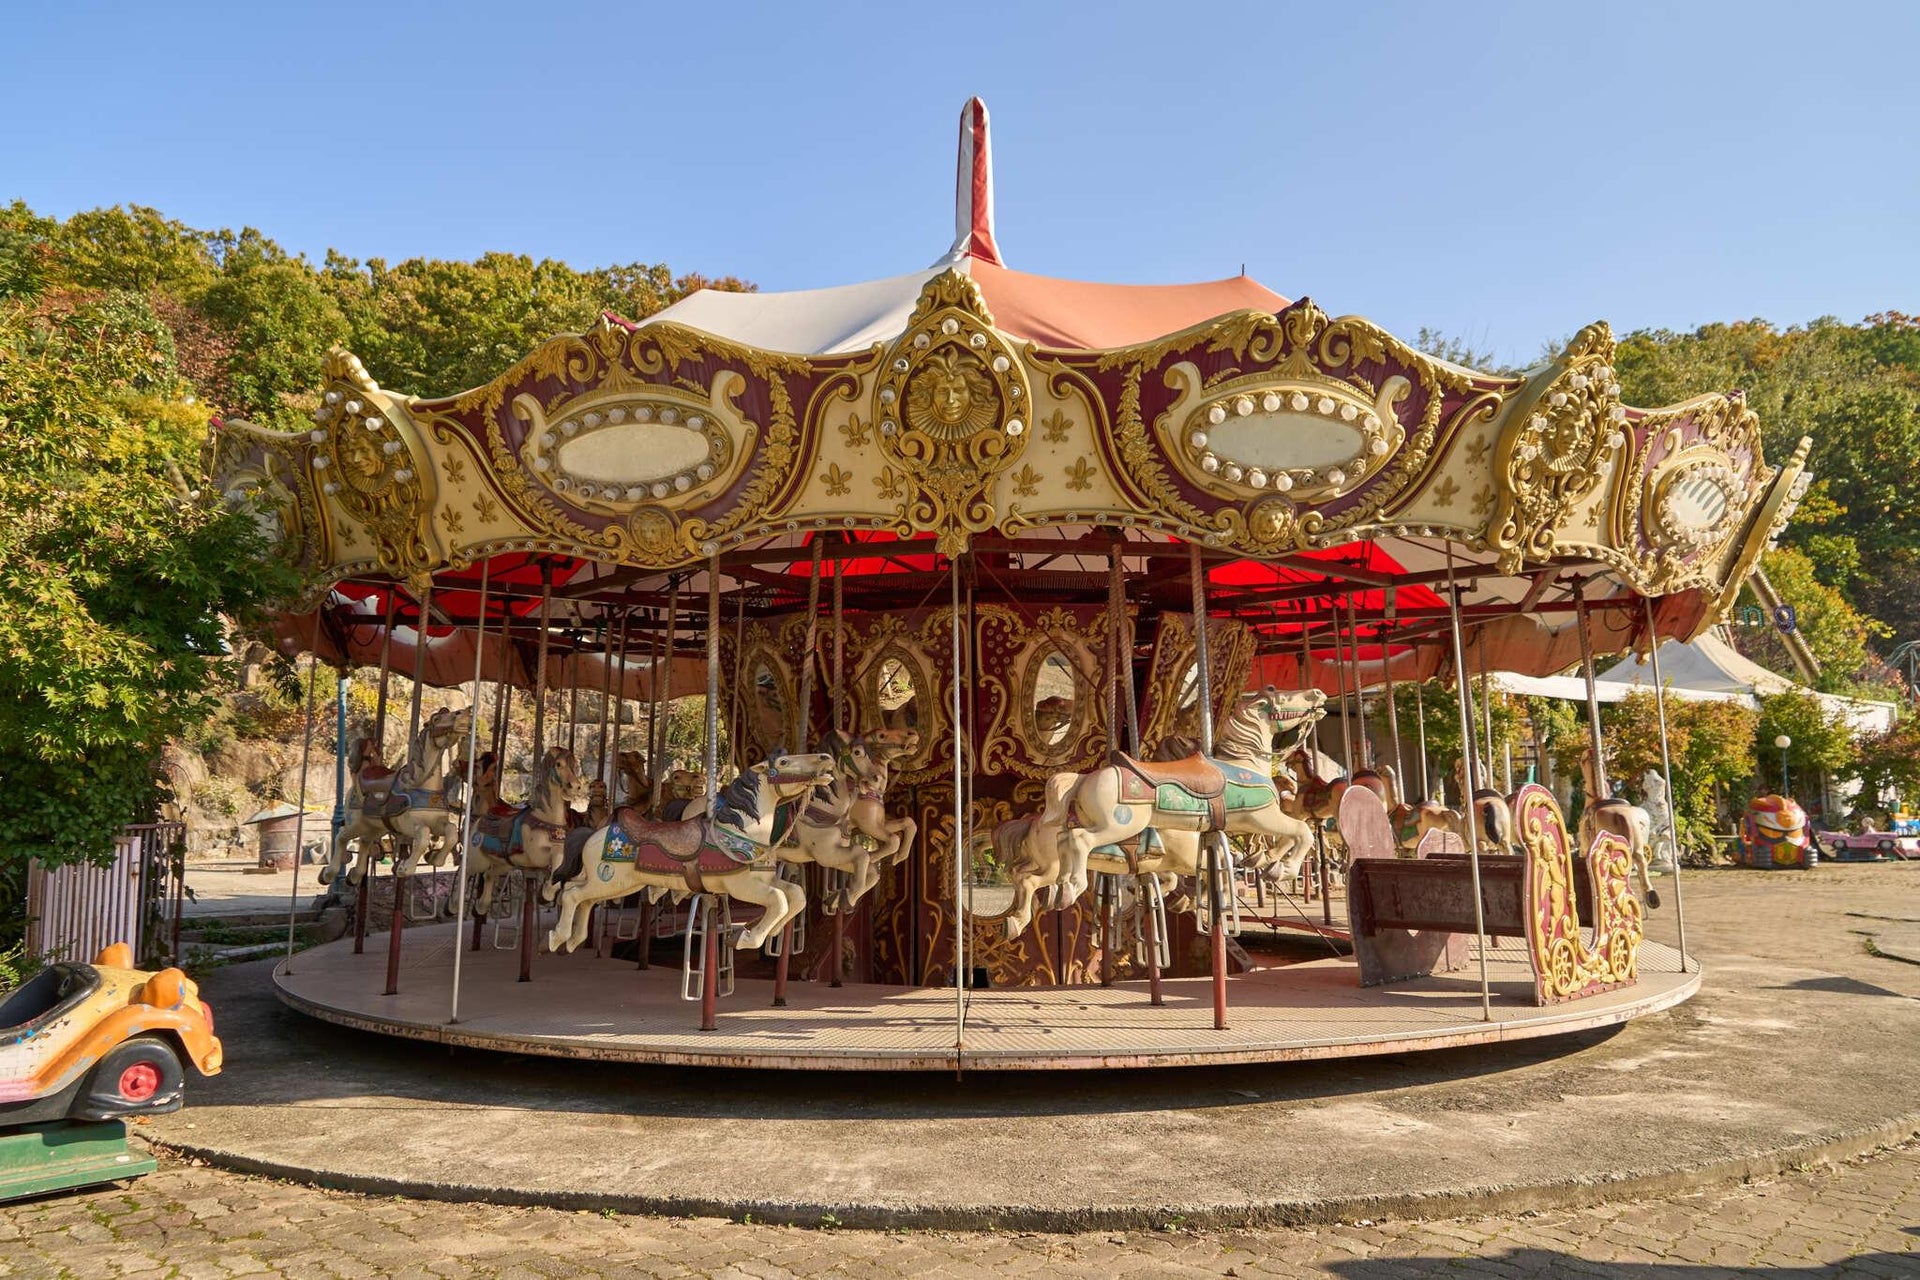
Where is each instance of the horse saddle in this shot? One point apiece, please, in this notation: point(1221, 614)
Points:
point(693, 848)
point(1196, 784)
point(499, 831)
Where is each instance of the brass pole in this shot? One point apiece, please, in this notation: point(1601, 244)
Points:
point(1473, 820)
point(467, 814)
point(1666, 768)
point(803, 714)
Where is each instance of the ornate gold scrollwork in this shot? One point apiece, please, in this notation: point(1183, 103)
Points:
point(1173, 691)
point(1553, 450)
point(1043, 681)
point(367, 463)
point(1565, 964)
point(1299, 362)
point(953, 404)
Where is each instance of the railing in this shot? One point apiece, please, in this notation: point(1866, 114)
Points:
point(77, 910)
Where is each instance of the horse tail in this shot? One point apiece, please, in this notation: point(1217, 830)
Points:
point(574, 862)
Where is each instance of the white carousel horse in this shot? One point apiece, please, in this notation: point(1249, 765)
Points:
point(409, 804)
point(1628, 821)
point(729, 852)
point(844, 825)
point(1114, 806)
point(532, 836)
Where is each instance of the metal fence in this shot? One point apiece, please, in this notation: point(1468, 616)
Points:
point(75, 911)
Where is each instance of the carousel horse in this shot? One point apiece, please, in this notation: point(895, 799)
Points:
point(844, 825)
point(1628, 821)
point(599, 807)
point(529, 837)
point(1104, 814)
point(728, 852)
point(685, 787)
point(409, 804)
point(636, 782)
point(1493, 818)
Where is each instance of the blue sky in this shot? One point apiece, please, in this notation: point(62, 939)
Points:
point(1503, 172)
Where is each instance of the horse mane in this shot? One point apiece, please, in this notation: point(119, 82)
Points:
point(741, 797)
point(1246, 735)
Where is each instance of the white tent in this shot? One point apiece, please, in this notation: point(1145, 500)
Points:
point(1706, 670)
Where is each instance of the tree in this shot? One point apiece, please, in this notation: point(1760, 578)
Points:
point(1710, 745)
point(279, 320)
point(114, 573)
point(136, 248)
point(1822, 743)
point(1833, 629)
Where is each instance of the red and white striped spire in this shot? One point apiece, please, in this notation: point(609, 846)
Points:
point(973, 189)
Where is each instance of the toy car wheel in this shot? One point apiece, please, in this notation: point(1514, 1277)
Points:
point(140, 1077)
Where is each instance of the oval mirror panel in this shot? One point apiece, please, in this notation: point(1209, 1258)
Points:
point(633, 453)
point(1697, 502)
point(769, 708)
point(895, 692)
point(1053, 700)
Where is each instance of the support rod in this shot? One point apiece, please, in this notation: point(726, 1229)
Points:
point(1473, 818)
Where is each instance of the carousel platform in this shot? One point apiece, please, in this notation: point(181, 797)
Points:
point(1797, 1048)
point(580, 1006)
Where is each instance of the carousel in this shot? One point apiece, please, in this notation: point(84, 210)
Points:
point(1030, 621)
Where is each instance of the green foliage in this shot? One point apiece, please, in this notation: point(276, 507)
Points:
point(1833, 629)
point(24, 251)
point(1821, 740)
point(1711, 746)
point(1889, 765)
point(435, 327)
point(281, 320)
point(114, 575)
point(1440, 705)
point(1855, 390)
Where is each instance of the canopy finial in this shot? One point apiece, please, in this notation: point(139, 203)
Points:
point(973, 189)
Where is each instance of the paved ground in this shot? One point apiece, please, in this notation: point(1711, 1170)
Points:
point(237, 886)
point(1856, 1220)
point(1802, 1041)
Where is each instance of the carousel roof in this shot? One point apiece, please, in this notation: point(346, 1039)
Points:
point(1329, 472)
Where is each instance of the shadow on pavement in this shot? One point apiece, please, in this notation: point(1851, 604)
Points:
point(1552, 1263)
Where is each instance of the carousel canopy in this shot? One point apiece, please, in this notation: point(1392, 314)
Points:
point(1335, 479)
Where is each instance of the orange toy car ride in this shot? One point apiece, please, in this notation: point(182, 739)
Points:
point(100, 1041)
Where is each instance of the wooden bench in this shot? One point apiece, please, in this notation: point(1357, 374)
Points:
point(1411, 918)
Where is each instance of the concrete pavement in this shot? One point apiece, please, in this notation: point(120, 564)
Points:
point(1856, 1220)
point(1801, 1045)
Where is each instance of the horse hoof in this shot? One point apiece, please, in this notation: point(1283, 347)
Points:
point(326, 875)
point(1653, 899)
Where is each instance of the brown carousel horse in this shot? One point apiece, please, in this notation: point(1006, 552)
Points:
point(529, 837)
point(729, 852)
point(408, 804)
point(1493, 818)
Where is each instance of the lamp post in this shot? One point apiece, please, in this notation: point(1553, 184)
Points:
point(1783, 742)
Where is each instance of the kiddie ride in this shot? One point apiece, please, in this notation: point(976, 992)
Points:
point(1774, 835)
point(82, 1047)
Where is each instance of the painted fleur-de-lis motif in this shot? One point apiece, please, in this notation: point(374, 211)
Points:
point(838, 479)
point(857, 433)
point(1080, 475)
point(1054, 427)
point(1026, 482)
